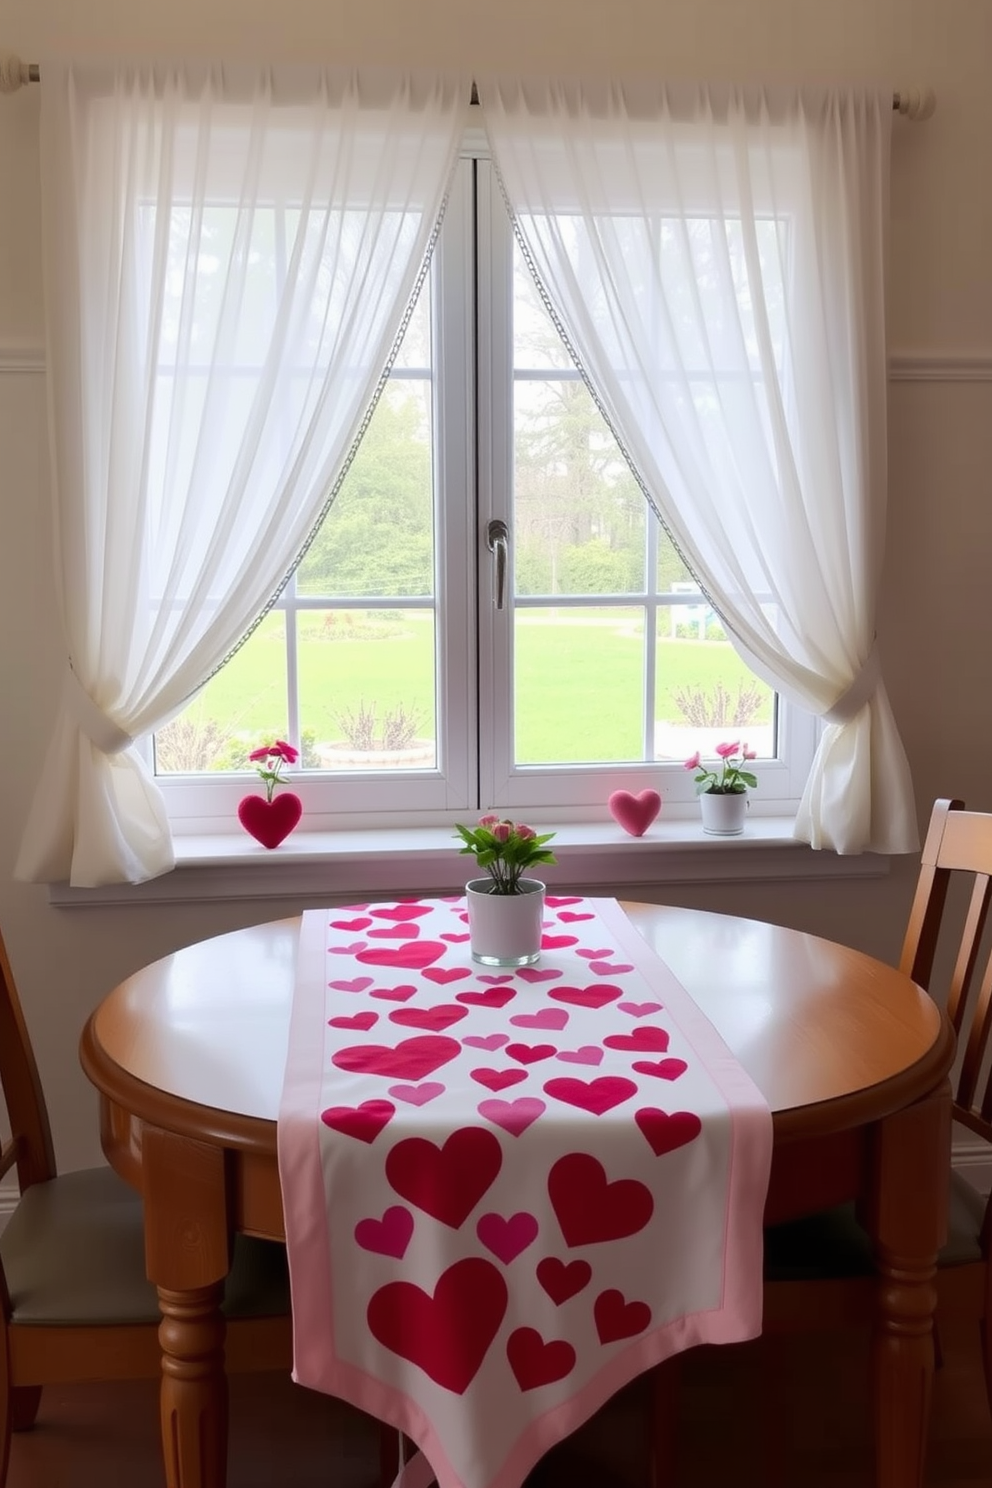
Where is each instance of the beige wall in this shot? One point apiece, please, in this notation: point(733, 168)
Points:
point(934, 621)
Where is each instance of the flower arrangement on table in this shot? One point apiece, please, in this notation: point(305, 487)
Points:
point(504, 850)
point(731, 777)
point(271, 819)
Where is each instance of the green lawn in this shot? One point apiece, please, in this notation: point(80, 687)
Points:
point(579, 682)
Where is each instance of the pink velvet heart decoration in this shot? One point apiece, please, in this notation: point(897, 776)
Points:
point(270, 821)
point(635, 813)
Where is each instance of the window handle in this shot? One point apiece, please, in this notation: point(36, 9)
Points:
point(498, 542)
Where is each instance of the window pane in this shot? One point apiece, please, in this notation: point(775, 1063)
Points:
point(366, 687)
point(704, 694)
point(240, 709)
point(578, 685)
point(378, 537)
point(579, 516)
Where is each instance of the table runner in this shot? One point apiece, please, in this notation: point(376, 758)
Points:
point(508, 1193)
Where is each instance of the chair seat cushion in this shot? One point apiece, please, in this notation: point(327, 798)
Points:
point(74, 1253)
point(833, 1243)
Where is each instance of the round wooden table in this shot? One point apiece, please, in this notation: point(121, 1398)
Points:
point(851, 1056)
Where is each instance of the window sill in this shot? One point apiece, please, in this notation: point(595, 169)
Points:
point(594, 857)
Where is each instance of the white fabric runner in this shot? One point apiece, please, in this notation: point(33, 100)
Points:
point(507, 1194)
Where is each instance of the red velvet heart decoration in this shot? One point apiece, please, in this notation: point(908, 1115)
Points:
point(635, 813)
point(270, 821)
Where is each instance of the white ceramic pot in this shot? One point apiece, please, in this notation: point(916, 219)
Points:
point(723, 813)
point(505, 928)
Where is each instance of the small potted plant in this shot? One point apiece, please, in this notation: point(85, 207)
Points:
point(505, 909)
point(271, 818)
point(722, 789)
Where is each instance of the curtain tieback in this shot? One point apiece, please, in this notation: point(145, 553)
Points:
point(97, 727)
point(850, 703)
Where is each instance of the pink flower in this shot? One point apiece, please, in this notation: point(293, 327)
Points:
point(488, 821)
point(502, 830)
point(694, 762)
point(749, 753)
point(289, 754)
point(260, 754)
point(726, 750)
point(525, 833)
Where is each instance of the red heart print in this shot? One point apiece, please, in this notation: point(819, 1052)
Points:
point(412, 955)
point(535, 1362)
point(442, 975)
point(394, 932)
point(595, 996)
point(595, 955)
point(498, 1079)
point(513, 1116)
point(595, 1096)
point(617, 1318)
point(544, 1018)
point(644, 1040)
point(529, 1053)
point(359, 924)
point(557, 942)
point(587, 1054)
point(604, 968)
point(447, 1335)
point(360, 1020)
point(417, 1095)
point(667, 1131)
point(412, 1058)
point(402, 912)
point(555, 901)
point(491, 1041)
point(357, 984)
point(364, 1122)
point(448, 1181)
point(538, 973)
point(269, 822)
point(563, 1279)
point(437, 1018)
point(634, 813)
point(665, 1069)
point(569, 916)
point(639, 1009)
point(507, 1238)
point(389, 1235)
point(394, 994)
point(497, 997)
point(589, 1208)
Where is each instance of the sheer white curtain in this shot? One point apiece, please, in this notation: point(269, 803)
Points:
point(229, 257)
point(715, 258)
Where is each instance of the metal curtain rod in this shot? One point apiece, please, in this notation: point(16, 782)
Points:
point(915, 103)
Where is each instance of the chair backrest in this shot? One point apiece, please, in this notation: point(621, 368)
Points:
point(30, 1145)
point(958, 846)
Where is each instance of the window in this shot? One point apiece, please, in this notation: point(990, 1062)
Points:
point(414, 682)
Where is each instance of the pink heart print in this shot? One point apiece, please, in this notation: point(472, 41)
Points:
point(544, 1018)
point(395, 932)
point(634, 813)
point(513, 1116)
point(507, 1238)
point(417, 1095)
point(403, 912)
point(587, 1054)
point(389, 1235)
point(364, 1122)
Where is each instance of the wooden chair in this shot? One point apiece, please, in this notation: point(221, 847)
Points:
point(818, 1270)
point(75, 1304)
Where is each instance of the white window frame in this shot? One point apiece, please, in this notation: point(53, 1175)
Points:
point(473, 403)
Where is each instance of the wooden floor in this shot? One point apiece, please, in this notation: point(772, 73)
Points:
point(730, 1401)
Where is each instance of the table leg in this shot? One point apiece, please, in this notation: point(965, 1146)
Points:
point(187, 1253)
point(908, 1220)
